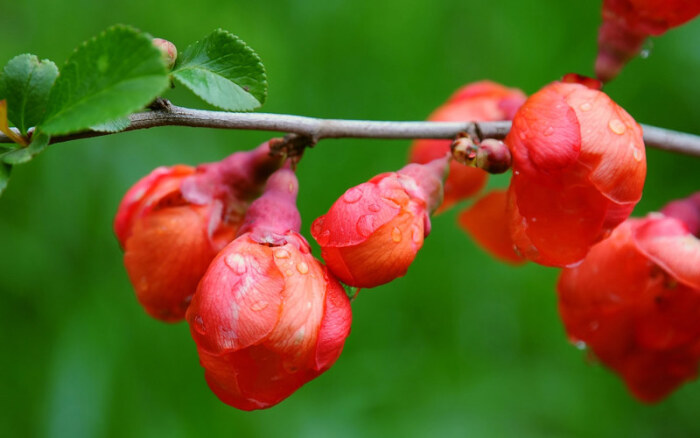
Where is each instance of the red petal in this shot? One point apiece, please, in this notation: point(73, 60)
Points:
point(167, 254)
point(486, 221)
point(238, 301)
point(668, 243)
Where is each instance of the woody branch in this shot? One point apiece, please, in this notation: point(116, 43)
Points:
point(318, 129)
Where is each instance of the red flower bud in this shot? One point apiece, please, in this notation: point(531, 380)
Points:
point(172, 223)
point(578, 171)
point(635, 301)
point(627, 24)
point(168, 51)
point(486, 221)
point(372, 233)
point(479, 101)
point(267, 316)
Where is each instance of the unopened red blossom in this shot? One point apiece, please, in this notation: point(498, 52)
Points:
point(635, 302)
point(578, 171)
point(267, 316)
point(628, 23)
point(372, 233)
point(478, 101)
point(172, 223)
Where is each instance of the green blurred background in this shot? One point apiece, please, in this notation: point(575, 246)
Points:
point(462, 346)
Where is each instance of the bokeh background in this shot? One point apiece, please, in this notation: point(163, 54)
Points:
point(462, 346)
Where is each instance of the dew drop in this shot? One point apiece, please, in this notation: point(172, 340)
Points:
point(365, 225)
point(291, 188)
point(523, 135)
point(617, 126)
point(580, 345)
point(374, 207)
point(324, 237)
point(303, 268)
point(289, 273)
point(416, 235)
point(199, 324)
point(585, 106)
point(637, 154)
point(352, 195)
point(317, 226)
point(282, 254)
point(646, 49)
point(258, 306)
point(236, 262)
point(534, 219)
point(548, 131)
point(396, 235)
point(517, 172)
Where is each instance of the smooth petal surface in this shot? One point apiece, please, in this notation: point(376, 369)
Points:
point(166, 255)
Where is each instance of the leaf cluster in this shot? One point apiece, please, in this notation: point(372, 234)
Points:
point(111, 76)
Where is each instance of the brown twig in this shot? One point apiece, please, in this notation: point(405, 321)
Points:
point(318, 129)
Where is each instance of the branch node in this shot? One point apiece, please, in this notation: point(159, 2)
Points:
point(160, 104)
point(292, 146)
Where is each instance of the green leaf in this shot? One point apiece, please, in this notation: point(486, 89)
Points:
point(26, 83)
point(106, 78)
point(18, 156)
point(4, 176)
point(224, 71)
point(117, 125)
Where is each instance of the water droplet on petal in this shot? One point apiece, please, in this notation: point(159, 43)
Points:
point(236, 262)
point(303, 268)
point(365, 225)
point(324, 237)
point(585, 106)
point(396, 235)
point(523, 135)
point(647, 48)
point(637, 154)
point(282, 254)
point(617, 126)
point(548, 131)
point(374, 207)
point(317, 226)
point(258, 306)
point(199, 325)
point(289, 273)
point(580, 345)
point(352, 195)
point(416, 235)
